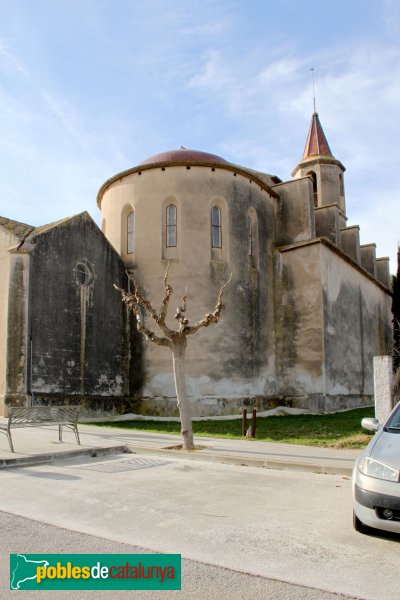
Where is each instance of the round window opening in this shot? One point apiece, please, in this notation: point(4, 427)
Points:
point(83, 273)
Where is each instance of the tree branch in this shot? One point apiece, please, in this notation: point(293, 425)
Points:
point(133, 302)
point(165, 301)
point(141, 300)
point(179, 315)
point(209, 318)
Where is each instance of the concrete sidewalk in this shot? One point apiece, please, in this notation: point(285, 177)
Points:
point(36, 445)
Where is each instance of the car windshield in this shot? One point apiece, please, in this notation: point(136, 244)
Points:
point(393, 423)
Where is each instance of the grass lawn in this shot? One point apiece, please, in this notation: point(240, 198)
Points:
point(339, 430)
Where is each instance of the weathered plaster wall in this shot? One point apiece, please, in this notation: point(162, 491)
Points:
point(6, 241)
point(332, 320)
point(234, 358)
point(327, 219)
point(327, 171)
point(80, 337)
point(357, 314)
point(17, 329)
point(299, 323)
point(295, 221)
point(350, 242)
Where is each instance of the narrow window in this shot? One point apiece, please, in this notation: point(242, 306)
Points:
point(216, 233)
point(131, 232)
point(341, 191)
point(250, 243)
point(315, 187)
point(171, 226)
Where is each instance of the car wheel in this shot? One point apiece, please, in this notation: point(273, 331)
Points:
point(358, 525)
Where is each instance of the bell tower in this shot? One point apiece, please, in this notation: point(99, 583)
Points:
point(324, 169)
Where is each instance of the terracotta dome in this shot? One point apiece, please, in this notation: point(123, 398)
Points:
point(185, 155)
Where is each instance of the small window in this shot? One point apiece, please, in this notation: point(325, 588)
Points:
point(216, 230)
point(171, 226)
point(131, 233)
point(315, 187)
point(341, 191)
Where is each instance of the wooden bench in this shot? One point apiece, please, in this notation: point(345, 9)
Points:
point(38, 416)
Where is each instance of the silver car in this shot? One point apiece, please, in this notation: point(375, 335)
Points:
point(376, 477)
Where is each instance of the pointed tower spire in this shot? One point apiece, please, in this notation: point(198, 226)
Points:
point(316, 144)
point(324, 170)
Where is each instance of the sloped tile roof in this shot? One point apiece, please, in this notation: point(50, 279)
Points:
point(20, 230)
point(316, 144)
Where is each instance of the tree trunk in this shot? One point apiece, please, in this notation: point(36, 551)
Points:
point(178, 353)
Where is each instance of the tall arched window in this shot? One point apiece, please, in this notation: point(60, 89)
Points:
point(341, 191)
point(250, 234)
point(252, 238)
point(216, 229)
point(131, 232)
point(315, 186)
point(171, 226)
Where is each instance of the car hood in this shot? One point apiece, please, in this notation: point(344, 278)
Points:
point(387, 449)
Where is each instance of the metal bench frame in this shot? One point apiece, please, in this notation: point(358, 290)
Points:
point(38, 416)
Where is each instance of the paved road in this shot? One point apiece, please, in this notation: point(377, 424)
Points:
point(289, 526)
point(199, 581)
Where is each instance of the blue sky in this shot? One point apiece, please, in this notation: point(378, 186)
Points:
point(92, 87)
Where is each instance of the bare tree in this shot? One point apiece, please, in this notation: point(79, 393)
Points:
point(175, 340)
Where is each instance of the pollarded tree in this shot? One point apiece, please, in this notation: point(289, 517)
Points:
point(175, 340)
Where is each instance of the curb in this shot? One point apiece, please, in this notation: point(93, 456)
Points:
point(245, 461)
point(40, 459)
point(266, 463)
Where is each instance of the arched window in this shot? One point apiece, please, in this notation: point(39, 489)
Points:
point(131, 232)
point(341, 191)
point(216, 229)
point(315, 186)
point(171, 226)
point(252, 237)
point(250, 233)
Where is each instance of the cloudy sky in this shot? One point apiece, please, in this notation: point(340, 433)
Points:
point(92, 87)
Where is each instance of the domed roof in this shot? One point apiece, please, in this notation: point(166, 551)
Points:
point(185, 155)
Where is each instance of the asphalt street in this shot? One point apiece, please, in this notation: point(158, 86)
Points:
point(199, 581)
point(293, 527)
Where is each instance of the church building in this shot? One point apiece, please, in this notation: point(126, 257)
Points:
point(306, 310)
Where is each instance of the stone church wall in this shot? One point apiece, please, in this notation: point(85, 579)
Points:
point(232, 360)
point(78, 348)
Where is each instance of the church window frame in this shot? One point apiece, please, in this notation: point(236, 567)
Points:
point(130, 232)
point(314, 180)
point(216, 227)
point(250, 237)
point(171, 220)
point(84, 273)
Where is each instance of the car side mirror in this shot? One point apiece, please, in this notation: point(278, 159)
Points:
point(370, 423)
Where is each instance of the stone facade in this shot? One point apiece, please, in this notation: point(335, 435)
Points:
point(306, 310)
point(65, 334)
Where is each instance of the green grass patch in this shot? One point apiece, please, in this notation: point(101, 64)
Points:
point(338, 430)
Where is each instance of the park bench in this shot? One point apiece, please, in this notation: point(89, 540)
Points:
point(38, 416)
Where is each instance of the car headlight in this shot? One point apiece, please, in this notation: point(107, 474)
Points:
point(374, 468)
